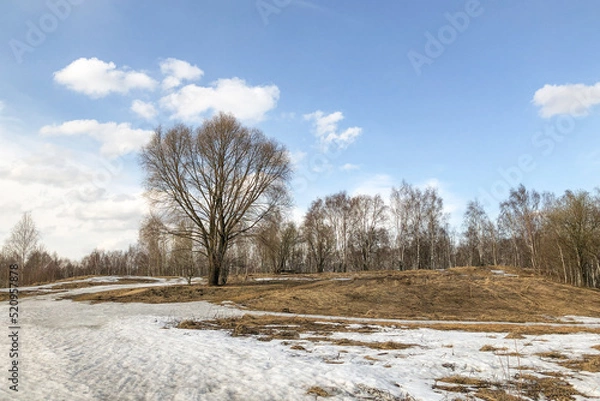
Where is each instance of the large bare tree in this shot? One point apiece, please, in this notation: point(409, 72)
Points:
point(223, 177)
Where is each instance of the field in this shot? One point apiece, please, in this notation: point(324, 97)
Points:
point(461, 334)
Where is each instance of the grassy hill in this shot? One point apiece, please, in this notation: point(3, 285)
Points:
point(467, 294)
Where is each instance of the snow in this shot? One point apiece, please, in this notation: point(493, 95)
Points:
point(110, 351)
point(284, 278)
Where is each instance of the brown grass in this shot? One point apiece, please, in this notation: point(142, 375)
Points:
point(512, 330)
point(289, 328)
point(5, 296)
point(533, 387)
point(589, 363)
point(456, 294)
point(491, 348)
point(552, 355)
point(318, 391)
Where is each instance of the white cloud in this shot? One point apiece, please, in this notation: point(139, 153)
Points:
point(573, 99)
point(177, 71)
point(378, 184)
point(78, 201)
point(116, 139)
point(144, 109)
point(297, 157)
point(326, 129)
point(349, 167)
point(97, 78)
point(227, 95)
point(46, 164)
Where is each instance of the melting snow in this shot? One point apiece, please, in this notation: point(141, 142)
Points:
point(109, 351)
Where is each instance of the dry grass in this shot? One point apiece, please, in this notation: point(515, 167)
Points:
point(491, 348)
point(513, 331)
point(533, 387)
point(269, 328)
point(5, 296)
point(589, 363)
point(388, 345)
point(552, 388)
point(474, 294)
point(318, 391)
point(552, 355)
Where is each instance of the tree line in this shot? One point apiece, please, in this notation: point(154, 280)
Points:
point(220, 201)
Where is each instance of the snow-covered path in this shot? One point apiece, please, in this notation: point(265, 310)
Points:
point(108, 351)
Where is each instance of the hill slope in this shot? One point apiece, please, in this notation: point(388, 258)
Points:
point(479, 294)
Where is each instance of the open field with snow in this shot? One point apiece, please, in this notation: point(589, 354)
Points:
point(135, 351)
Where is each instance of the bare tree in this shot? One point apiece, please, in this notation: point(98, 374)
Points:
point(23, 241)
point(368, 218)
point(223, 177)
point(154, 243)
point(521, 216)
point(276, 241)
point(433, 206)
point(319, 236)
point(336, 214)
point(400, 217)
point(476, 226)
point(573, 228)
point(182, 255)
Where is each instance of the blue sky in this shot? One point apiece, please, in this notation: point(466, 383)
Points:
point(472, 97)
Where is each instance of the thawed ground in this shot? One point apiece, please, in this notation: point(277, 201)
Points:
point(109, 351)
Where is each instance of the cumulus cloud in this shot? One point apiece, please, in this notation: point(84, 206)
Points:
point(116, 139)
point(49, 165)
point(177, 71)
point(79, 200)
point(233, 95)
point(572, 99)
point(144, 109)
point(326, 130)
point(97, 78)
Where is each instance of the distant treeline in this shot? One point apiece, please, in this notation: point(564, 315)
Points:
point(558, 236)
